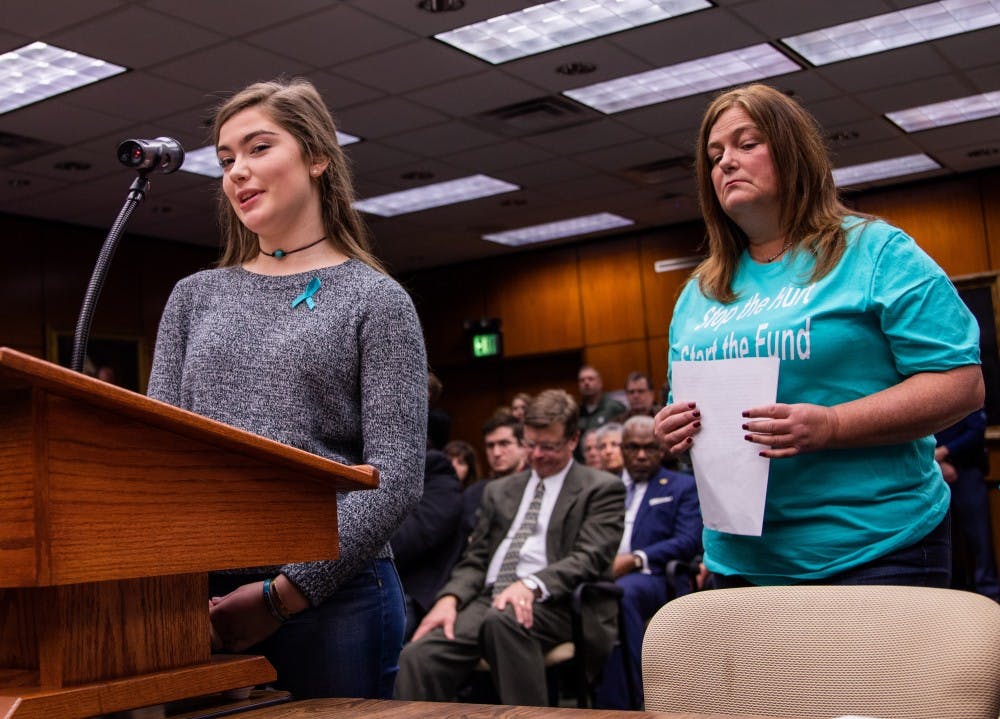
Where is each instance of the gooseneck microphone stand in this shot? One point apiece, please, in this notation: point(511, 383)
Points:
point(136, 194)
point(164, 154)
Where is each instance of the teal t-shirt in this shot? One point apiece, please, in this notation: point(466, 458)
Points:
point(884, 313)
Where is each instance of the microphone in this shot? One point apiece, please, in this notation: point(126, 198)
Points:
point(164, 154)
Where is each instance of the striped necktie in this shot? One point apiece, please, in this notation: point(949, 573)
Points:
point(508, 568)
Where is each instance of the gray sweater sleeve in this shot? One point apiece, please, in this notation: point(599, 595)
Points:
point(394, 427)
point(346, 380)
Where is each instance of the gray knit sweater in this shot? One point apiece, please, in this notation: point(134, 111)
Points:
point(346, 380)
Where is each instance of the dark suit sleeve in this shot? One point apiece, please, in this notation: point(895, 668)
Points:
point(430, 528)
point(684, 541)
point(469, 575)
point(599, 523)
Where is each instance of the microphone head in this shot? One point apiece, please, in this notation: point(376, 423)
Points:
point(164, 154)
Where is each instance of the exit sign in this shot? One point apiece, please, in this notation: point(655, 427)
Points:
point(486, 344)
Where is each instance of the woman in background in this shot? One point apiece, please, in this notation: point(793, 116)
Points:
point(464, 460)
point(300, 336)
point(882, 354)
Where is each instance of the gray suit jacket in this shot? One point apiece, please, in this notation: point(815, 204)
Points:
point(582, 539)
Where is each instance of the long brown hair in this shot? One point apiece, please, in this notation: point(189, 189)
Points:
point(299, 109)
point(811, 210)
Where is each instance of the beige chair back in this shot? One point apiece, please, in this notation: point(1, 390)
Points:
point(826, 651)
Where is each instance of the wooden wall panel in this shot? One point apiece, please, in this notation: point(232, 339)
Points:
point(537, 296)
point(611, 292)
point(945, 219)
point(445, 298)
point(21, 280)
point(990, 199)
point(661, 289)
point(658, 347)
point(615, 361)
point(534, 374)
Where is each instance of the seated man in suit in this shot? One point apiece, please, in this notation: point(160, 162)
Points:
point(662, 522)
point(538, 534)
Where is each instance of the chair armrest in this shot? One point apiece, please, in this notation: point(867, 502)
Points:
point(585, 589)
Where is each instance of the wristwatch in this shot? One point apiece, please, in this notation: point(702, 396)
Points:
point(533, 586)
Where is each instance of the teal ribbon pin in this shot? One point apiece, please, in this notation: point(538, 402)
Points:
point(307, 296)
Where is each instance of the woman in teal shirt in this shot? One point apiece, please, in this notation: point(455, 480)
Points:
point(877, 352)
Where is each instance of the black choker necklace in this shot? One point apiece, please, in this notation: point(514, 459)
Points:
point(279, 254)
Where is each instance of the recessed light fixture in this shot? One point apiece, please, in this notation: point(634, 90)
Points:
point(556, 24)
point(687, 78)
point(72, 166)
point(949, 112)
point(19, 182)
point(441, 5)
point(205, 161)
point(882, 169)
point(38, 71)
point(894, 29)
point(417, 175)
point(576, 68)
point(562, 228)
point(435, 195)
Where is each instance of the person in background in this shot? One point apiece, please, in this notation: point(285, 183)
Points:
point(596, 408)
point(609, 447)
point(591, 454)
point(300, 336)
point(519, 404)
point(866, 375)
point(438, 420)
point(662, 522)
point(464, 460)
point(961, 453)
point(503, 437)
point(640, 394)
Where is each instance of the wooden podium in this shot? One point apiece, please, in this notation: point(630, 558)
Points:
point(113, 509)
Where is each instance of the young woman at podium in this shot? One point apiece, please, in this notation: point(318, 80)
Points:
point(299, 335)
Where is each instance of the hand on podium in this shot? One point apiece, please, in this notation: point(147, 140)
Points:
point(241, 619)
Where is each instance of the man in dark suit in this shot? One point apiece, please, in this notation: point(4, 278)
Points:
point(427, 536)
point(538, 535)
point(662, 522)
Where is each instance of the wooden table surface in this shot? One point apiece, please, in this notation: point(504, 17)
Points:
point(386, 709)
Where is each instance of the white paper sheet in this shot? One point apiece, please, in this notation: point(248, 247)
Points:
point(729, 471)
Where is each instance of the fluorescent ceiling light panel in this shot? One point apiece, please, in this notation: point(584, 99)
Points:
point(345, 139)
point(688, 78)
point(436, 195)
point(950, 112)
point(562, 228)
point(205, 161)
point(871, 171)
point(894, 29)
point(555, 24)
point(38, 71)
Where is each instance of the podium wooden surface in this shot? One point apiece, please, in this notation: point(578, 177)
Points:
point(113, 509)
point(385, 709)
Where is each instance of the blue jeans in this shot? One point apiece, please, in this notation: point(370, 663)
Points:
point(926, 563)
point(346, 647)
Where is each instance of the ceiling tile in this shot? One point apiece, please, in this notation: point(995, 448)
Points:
point(326, 38)
point(411, 66)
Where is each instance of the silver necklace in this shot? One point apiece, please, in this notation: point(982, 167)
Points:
point(783, 250)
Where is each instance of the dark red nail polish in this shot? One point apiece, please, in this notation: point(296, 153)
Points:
point(697, 424)
point(761, 454)
point(696, 413)
point(691, 405)
point(747, 438)
point(746, 426)
point(746, 414)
